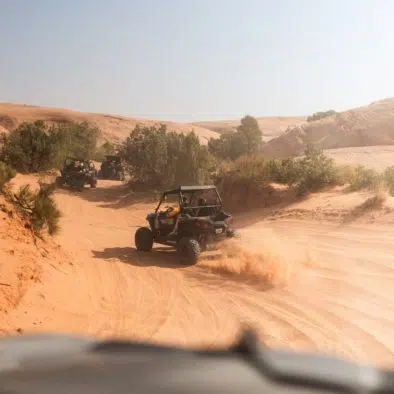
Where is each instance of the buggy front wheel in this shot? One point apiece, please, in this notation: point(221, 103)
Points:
point(188, 250)
point(143, 239)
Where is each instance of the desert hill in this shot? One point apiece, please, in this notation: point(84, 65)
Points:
point(114, 128)
point(271, 126)
point(369, 125)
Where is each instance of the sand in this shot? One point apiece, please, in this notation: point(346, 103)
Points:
point(303, 281)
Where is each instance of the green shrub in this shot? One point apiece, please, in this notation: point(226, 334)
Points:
point(7, 122)
point(310, 173)
point(286, 171)
point(28, 149)
point(72, 139)
point(344, 173)
point(247, 139)
point(35, 146)
point(6, 174)
point(157, 158)
point(317, 171)
point(39, 208)
point(388, 177)
point(320, 115)
point(106, 149)
point(363, 178)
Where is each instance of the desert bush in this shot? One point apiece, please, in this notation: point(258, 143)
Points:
point(344, 172)
point(157, 158)
point(388, 177)
point(244, 183)
point(39, 208)
point(28, 147)
point(72, 139)
point(6, 174)
point(320, 115)
point(310, 173)
point(316, 171)
point(105, 149)
point(35, 146)
point(247, 170)
point(360, 177)
point(247, 139)
point(285, 171)
point(7, 122)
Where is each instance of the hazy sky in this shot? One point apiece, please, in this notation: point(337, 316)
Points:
point(192, 60)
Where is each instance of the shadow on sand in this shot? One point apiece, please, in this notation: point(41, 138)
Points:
point(164, 257)
point(204, 271)
point(111, 194)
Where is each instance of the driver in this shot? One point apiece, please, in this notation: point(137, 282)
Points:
point(173, 211)
point(204, 211)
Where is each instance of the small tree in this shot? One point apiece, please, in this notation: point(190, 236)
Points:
point(317, 170)
point(249, 129)
point(158, 158)
point(246, 140)
point(145, 154)
point(73, 139)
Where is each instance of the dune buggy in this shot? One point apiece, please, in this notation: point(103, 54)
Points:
point(195, 221)
point(111, 168)
point(77, 173)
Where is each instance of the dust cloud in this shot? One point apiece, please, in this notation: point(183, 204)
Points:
point(265, 259)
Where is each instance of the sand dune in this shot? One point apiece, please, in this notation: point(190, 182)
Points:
point(376, 157)
point(365, 126)
point(303, 281)
point(114, 128)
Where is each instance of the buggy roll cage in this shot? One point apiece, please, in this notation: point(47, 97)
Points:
point(190, 189)
point(74, 159)
point(113, 158)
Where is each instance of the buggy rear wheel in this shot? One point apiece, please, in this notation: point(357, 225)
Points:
point(188, 250)
point(143, 239)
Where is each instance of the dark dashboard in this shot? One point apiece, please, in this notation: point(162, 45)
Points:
point(62, 364)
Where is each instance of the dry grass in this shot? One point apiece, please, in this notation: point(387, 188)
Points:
point(374, 203)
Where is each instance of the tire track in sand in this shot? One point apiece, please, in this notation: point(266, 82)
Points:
point(122, 293)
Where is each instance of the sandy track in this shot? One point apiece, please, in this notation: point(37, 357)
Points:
point(341, 303)
point(344, 303)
